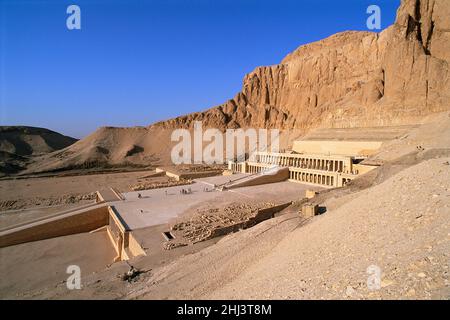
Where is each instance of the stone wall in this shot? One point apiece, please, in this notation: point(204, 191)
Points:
point(71, 223)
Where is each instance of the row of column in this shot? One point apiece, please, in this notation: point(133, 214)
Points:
point(305, 163)
point(312, 178)
point(236, 167)
point(254, 169)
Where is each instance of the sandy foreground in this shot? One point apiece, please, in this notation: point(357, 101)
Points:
point(401, 226)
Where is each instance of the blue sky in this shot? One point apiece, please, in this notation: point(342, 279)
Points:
point(135, 62)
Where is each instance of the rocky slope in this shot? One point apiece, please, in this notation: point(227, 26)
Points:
point(18, 143)
point(108, 147)
point(27, 141)
point(351, 79)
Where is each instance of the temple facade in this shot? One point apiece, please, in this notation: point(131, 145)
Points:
point(325, 170)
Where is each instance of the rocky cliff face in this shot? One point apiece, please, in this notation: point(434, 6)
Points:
point(350, 79)
point(417, 57)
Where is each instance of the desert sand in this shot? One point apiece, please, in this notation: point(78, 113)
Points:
point(64, 190)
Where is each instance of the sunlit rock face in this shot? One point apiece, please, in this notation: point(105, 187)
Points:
point(349, 79)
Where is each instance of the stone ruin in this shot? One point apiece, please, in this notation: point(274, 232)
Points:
point(210, 223)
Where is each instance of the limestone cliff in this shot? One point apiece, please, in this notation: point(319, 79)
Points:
point(349, 79)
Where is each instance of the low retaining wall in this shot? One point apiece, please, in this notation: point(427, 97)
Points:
point(81, 221)
point(260, 216)
point(122, 239)
point(193, 175)
point(134, 246)
point(172, 172)
point(85, 220)
point(108, 195)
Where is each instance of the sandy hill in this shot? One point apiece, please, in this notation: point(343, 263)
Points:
point(26, 141)
point(18, 143)
point(109, 147)
point(351, 79)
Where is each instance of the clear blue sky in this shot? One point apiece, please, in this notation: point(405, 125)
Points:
point(136, 62)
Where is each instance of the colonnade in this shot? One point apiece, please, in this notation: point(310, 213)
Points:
point(317, 178)
point(303, 162)
point(255, 169)
point(236, 167)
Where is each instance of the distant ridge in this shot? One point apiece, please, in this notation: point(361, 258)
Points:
point(19, 143)
point(26, 141)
